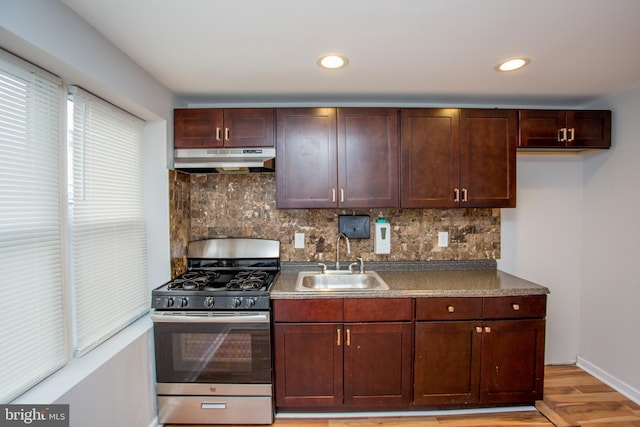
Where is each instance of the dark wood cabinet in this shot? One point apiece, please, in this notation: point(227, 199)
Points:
point(329, 158)
point(512, 361)
point(217, 128)
point(463, 358)
point(564, 130)
point(447, 363)
point(308, 365)
point(356, 364)
point(458, 158)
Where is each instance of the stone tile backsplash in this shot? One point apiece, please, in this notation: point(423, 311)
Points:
point(225, 205)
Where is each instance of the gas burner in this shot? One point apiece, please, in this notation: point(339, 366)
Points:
point(248, 280)
point(193, 280)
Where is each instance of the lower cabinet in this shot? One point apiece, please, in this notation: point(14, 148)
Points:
point(462, 358)
point(405, 353)
point(350, 364)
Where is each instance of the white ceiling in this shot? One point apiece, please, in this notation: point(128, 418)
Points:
point(400, 51)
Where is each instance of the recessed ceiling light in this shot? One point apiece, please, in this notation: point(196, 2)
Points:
point(512, 64)
point(333, 61)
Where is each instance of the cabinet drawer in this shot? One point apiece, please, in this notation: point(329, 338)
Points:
point(308, 310)
point(377, 309)
point(515, 307)
point(462, 308)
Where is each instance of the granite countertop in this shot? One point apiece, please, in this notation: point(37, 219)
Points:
point(418, 279)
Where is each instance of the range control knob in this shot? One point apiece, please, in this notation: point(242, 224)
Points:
point(250, 302)
point(170, 302)
point(236, 302)
point(208, 302)
point(184, 302)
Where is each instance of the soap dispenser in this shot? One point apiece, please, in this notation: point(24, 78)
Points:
point(382, 236)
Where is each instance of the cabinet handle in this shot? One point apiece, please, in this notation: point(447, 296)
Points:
point(572, 132)
point(339, 335)
point(515, 307)
point(348, 337)
point(479, 329)
point(562, 135)
point(464, 195)
point(487, 329)
point(218, 134)
point(451, 309)
point(456, 193)
point(227, 134)
point(333, 195)
point(342, 195)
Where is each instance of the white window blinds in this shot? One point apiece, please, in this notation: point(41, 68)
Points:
point(32, 335)
point(107, 220)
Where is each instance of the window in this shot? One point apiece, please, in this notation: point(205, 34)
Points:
point(107, 220)
point(72, 227)
point(33, 336)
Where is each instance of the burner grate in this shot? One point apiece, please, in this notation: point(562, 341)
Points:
point(248, 280)
point(193, 280)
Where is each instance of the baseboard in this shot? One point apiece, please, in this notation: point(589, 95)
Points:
point(304, 415)
point(613, 382)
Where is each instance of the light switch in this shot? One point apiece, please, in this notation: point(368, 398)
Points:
point(298, 241)
point(443, 239)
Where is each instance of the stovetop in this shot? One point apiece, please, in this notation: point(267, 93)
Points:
point(223, 274)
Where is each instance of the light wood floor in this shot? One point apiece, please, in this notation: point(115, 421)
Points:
point(572, 398)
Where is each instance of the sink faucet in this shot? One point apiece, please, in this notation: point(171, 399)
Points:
point(338, 248)
point(360, 263)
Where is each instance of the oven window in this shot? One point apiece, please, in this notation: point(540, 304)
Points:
point(213, 353)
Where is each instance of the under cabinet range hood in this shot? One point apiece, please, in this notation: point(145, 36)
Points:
point(224, 160)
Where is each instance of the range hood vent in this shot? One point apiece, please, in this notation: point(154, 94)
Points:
point(224, 160)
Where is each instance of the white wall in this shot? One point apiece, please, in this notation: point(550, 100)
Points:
point(112, 385)
point(541, 241)
point(609, 336)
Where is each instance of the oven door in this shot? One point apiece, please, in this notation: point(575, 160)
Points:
point(213, 347)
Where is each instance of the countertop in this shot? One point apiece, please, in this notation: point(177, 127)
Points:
point(418, 279)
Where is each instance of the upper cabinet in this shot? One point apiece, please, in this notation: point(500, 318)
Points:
point(458, 158)
point(217, 128)
point(330, 158)
point(564, 130)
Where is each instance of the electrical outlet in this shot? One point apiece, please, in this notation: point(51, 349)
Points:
point(298, 241)
point(443, 239)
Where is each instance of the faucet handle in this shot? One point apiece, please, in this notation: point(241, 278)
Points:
point(323, 267)
point(361, 261)
point(351, 266)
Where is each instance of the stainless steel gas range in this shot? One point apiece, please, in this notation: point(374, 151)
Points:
point(212, 335)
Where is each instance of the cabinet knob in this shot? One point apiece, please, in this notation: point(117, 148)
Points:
point(456, 197)
point(227, 134)
point(218, 133)
point(479, 329)
point(516, 307)
point(487, 329)
point(451, 309)
point(464, 195)
point(339, 335)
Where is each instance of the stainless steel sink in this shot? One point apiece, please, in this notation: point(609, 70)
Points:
point(341, 280)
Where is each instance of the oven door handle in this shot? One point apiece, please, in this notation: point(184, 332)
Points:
point(211, 318)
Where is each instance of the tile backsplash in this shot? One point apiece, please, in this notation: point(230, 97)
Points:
point(206, 206)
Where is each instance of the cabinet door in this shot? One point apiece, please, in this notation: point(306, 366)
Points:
point(306, 165)
point(308, 365)
point(589, 129)
point(429, 146)
point(368, 157)
point(512, 361)
point(197, 128)
point(541, 128)
point(248, 127)
point(377, 364)
point(447, 363)
point(488, 141)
